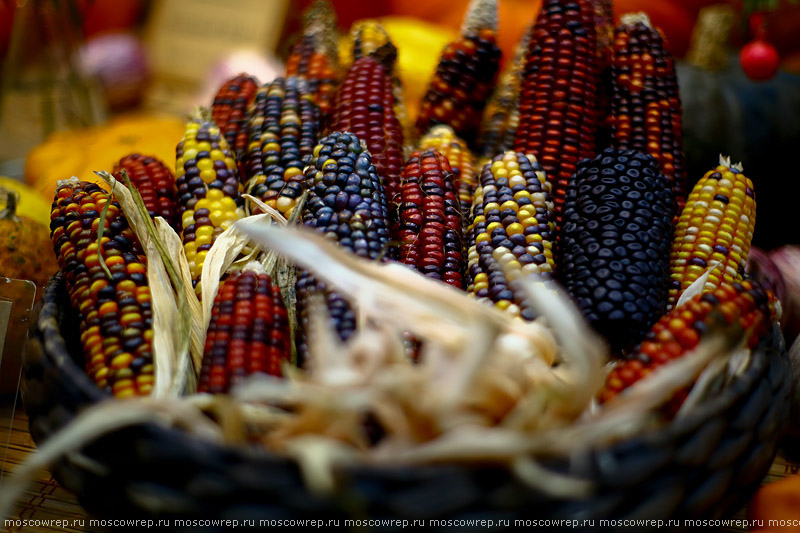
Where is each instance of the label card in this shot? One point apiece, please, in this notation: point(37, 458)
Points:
point(16, 303)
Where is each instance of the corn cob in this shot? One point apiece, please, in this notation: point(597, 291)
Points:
point(501, 117)
point(284, 126)
point(512, 232)
point(347, 204)
point(430, 222)
point(209, 191)
point(248, 332)
point(315, 57)
point(155, 182)
point(230, 112)
point(683, 328)
point(645, 105)
point(115, 313)
point(604, 27)
point(716, 226)
point(366, 37)
point(613, 245)
point(365, 106)
point(558, 94)
point(443, 139)
point(465, 76)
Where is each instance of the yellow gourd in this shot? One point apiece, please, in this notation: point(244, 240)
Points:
point(31, 203)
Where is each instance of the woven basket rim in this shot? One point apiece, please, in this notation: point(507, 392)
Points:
point(46, 329)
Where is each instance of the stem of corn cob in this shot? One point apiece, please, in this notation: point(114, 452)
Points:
point(465, 76)
point(115, 311)
point(430, 221)
point(284, 127)
point(512, 233)
point(155, 183)
point(645, 103)
point(209, 190)
point(613, 244)
point(558, 96)
point(443, 139)
point(715, 226)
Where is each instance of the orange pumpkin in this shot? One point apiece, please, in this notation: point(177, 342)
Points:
point(81, 152)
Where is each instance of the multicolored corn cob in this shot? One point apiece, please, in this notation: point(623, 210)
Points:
point(558, 95)
point(315, 56)
point(645, 104)
point(683, 328)
point(115, 312)
point(155, 183)
point(613, 244)
point(465, 76)
point(347, 204)
point(443, 139)
point(248, 332)
point(430, 222)
point(365, 106)
point(501, 116)
point(716, 226)
point(512, 231)
point(209, 191)
point(230, 112)
point(284, 127)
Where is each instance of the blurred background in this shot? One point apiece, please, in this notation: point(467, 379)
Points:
point(85, 82)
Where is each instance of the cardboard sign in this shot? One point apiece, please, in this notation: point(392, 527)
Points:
point(16, 303)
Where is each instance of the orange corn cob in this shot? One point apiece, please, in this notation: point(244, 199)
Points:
point(645, 104)
point(682, 329)
point(465, 76)
point(314, 57)
point(115, 313)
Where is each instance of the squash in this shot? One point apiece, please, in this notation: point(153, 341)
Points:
point(81, 152)
point(31, 203)
point(25, 248)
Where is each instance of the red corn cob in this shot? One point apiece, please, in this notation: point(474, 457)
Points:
point(248, 332)
point(155, 183)
point(558, 97)
point(365, 106)
point(430, 221)
point(229, 112)
point(645, 105)
point(682, 329)
point(314, 57)
point(465, 76)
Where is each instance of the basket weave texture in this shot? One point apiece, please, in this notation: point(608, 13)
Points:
point(706, 464)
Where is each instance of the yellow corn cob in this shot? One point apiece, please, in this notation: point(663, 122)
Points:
point(716, 226)
point(209, 191)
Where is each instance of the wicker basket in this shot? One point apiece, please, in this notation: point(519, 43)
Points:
point(705, 465)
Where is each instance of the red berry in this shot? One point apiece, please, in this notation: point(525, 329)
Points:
point(759, 60)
